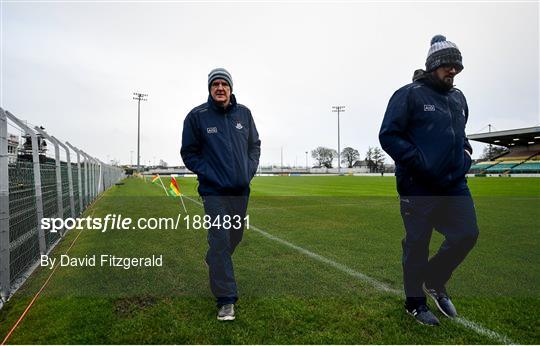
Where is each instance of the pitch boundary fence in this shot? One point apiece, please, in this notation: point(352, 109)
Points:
point(34, 186)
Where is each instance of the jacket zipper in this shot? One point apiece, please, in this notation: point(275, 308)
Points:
point(453, 131)
point(229, 139)
point(229, 142)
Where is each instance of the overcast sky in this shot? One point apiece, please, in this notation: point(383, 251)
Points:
point(72, 67)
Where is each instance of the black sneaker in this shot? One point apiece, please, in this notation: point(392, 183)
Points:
point(442, 301)
point(422, 315)
point(226, 313)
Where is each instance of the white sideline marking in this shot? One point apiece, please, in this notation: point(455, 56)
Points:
point(503, 339)
point(373, 282)
point(484, 331)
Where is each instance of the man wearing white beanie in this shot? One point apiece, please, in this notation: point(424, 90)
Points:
point(424, 132)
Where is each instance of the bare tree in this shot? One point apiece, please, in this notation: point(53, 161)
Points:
point(491, 151)
point(349, 156)
point(324, 156)
point(369, 159)
point(378, 158)
point(375, 159)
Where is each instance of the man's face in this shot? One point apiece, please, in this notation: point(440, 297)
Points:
point(446, 74)
point(221, 92)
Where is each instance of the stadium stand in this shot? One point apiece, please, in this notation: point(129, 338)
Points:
point(522, 157)
point(481, 166)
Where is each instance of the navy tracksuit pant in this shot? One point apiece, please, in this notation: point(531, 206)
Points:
point(451, 214)
point(222, 242)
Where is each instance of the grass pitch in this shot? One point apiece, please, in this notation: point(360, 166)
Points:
point(287, 296)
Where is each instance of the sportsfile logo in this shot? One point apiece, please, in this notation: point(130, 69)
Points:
point(117, 222)
point(429, 108)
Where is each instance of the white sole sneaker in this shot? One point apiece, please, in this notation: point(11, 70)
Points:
point(422, 323)
point(226, 318)
point(435, 301)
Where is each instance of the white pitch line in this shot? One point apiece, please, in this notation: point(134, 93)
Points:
point(503, 339)
point(484, 331)
point(373, 282)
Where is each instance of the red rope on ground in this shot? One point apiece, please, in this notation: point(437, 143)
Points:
point(8, 335)
point(35, 297)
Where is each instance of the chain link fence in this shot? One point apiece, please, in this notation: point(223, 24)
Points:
point(35, 186)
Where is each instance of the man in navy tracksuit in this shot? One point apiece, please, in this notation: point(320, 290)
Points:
point(220, 143)
point(424, 132)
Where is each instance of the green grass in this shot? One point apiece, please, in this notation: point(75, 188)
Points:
point(285, 296)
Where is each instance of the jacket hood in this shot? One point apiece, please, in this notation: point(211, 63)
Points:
point(418, 75)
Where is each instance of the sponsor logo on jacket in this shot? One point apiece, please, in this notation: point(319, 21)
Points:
point(429, 108)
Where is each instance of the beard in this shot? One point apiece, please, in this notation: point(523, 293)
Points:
point(448, 82)
point(444, 85)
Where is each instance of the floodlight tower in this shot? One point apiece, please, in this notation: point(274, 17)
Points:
point(139, 97)
point(338, 109)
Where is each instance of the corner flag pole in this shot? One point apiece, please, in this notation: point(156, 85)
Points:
point(162, 185)
point(181, 194)
point(183, 205)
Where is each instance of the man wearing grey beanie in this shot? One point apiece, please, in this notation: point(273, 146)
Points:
point(220, 144)
point(424, 132)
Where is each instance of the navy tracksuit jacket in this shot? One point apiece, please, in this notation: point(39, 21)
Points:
point(222, 146)
point(424, 132)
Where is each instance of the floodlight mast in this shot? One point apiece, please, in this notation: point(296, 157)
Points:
point(338, 109)
point(139, 97)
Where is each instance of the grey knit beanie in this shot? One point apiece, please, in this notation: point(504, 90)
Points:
point(442, 52)
point(219, 73)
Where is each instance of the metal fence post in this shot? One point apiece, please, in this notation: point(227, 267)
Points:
point(93, 178)
point(37, 180)
point(70, 176)
point(79, 176)
point(100, 177)
point(90, 180)
point(88, 176)
point(5, 280)
point(86, 193)
point(106, 182)
point(59, 202)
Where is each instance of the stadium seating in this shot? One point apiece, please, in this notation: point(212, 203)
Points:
point(518, 155)
point(528, 167)
point(502, 167)
point(521, 161)
point(481, 166)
